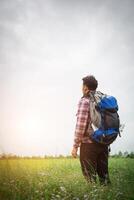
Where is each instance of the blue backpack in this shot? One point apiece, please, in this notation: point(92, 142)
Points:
point(104, 118)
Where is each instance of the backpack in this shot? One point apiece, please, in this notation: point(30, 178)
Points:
point(104, 118)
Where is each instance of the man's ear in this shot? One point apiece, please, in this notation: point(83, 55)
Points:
point(86, 89)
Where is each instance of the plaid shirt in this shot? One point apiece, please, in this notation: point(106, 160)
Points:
point(82, 124)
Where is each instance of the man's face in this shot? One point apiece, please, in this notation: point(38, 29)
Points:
point(85, 89)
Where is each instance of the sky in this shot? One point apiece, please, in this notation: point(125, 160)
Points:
point(46, 48)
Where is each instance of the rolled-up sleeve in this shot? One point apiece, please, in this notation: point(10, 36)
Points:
point(82, 120)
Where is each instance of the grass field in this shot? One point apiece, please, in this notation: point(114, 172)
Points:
point(44, 179)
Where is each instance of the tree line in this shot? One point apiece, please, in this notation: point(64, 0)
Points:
point(120, 154)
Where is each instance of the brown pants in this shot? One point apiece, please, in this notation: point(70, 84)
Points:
point(94, 160)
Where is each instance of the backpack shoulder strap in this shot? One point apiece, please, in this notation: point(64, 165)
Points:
point(96, 96)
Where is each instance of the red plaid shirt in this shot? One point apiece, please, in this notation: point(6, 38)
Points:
point(82, 124)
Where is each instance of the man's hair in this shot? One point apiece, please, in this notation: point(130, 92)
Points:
point(90, 82)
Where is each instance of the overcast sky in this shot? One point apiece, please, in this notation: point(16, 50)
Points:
point(46, 48)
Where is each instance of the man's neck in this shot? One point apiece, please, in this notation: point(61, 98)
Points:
point(88, 94)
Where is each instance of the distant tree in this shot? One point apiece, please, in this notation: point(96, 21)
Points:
point(61, 156)
point(131, 155)
point(126, 154)
point(120, 154)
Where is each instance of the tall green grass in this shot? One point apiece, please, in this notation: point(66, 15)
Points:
point(46, 179)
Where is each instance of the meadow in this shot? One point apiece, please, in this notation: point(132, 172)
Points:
point(62, 179)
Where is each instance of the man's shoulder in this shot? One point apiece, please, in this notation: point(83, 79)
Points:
point(84, 100)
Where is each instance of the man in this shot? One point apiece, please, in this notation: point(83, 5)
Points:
point(93, 156)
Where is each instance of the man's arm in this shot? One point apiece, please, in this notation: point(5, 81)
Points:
point(82, 120)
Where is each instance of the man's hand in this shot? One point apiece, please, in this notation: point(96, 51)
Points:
point(74, 152)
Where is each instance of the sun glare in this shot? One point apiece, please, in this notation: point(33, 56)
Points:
point(30, 128)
